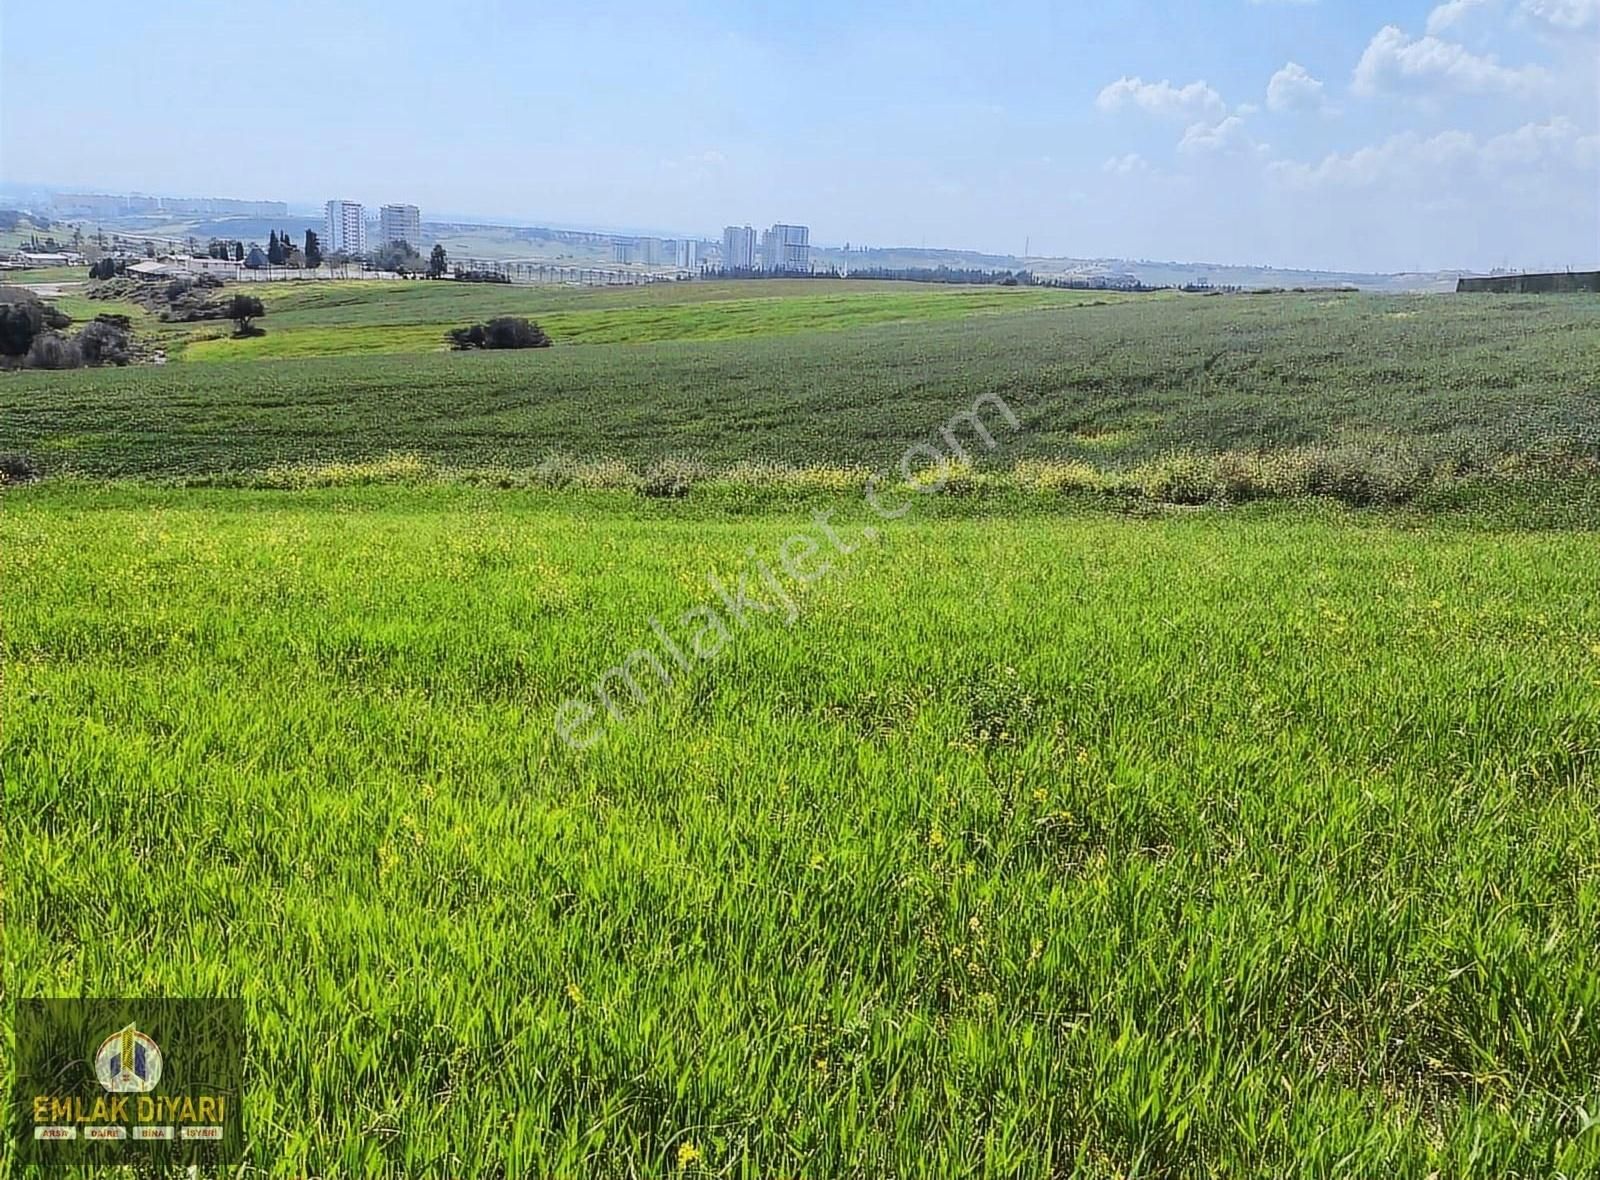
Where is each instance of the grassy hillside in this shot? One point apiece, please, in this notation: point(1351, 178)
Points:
point(1468, 381)
point(1256, 843)
point(367, 317)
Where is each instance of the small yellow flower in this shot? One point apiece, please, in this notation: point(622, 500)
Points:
point(821, 1064)
point(935, 838)
point(575, 994)
point(688, 1154)
point(1036, 950)
point(1040, 794)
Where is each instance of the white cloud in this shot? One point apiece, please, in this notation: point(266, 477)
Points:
point(1450, 13)
point(1194, 101)
point(1227, 136)
point(1125, 165)
point(1294, 89)
point(1436, 162)
point(1572, 16)
point(1395, 61)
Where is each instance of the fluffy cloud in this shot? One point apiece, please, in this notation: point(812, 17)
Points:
point(1571, 16)
point(1293, 89)
point(1395, 61)
point(1541, 150)
point(1194, 101)
point(1451, 13)
point(1225, 137)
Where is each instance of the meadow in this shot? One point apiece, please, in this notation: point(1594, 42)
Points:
point(1242, 843)
point(1084, 821)
point(1467, 383)
point(337, 319)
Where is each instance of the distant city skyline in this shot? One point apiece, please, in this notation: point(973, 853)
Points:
point(1375, 135)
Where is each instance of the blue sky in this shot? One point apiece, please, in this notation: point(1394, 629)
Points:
point(1346, 134)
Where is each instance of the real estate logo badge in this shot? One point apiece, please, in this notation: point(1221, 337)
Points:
point(115, 1092)
point(128, 1062)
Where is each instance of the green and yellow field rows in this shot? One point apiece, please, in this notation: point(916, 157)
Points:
point(359, 318)
point(1466, 383)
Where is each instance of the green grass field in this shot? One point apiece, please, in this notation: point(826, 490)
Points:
point(45, 274)
point(1460, 382)
point(1082, 821)
point(1229, 844)
point(356, 317)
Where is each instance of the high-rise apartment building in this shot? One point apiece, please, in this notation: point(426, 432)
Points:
point(401, 223)
point(786, 248)
point(738, 248)
point(344, 228)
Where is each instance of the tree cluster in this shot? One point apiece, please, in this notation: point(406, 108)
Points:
point(31, 335)
point(502, 332)
point(281, 251)
point(397, 256)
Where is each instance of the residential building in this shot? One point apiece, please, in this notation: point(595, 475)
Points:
point(688, 254)
point(344, 228)
point(786, 248)
point(401, 223)
point(738, 248)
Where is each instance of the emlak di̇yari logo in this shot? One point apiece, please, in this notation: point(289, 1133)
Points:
point(123, 1081)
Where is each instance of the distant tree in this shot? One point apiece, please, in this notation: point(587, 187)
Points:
point(397, 256)
point(20, 322)
point(464, 338)
point(516, 332)
point(437, 262)
point(103, 343)
point(313, 249)
point(242, 309)
point(52, 350)
point(274, 250)
point(501, 332)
